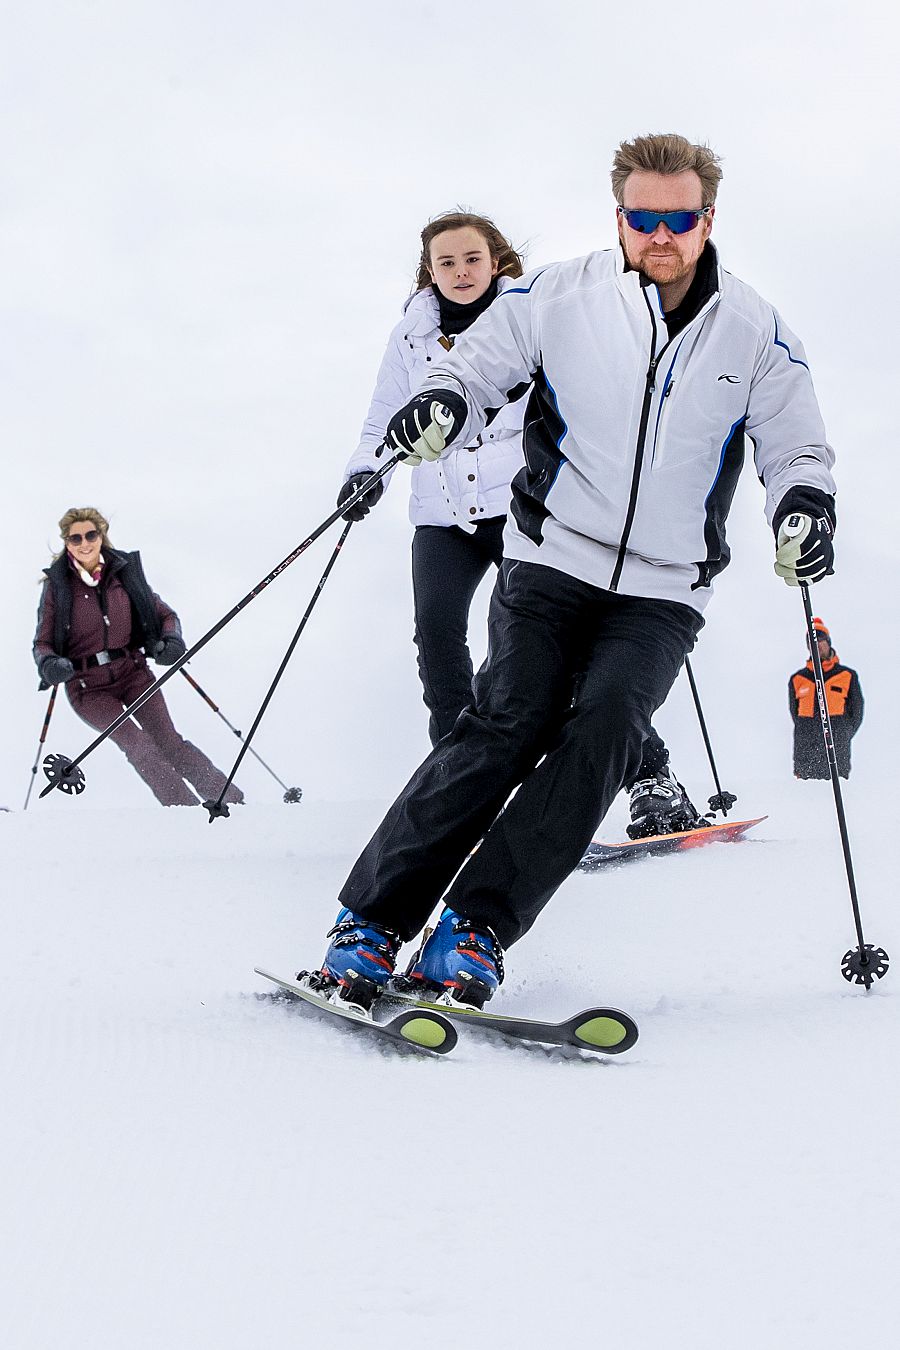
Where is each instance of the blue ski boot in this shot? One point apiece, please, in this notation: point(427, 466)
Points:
point(359, 961)
point(459, 958)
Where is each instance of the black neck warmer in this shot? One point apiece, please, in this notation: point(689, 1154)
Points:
point(456, 318)
point(703, 285)
point(701, 288)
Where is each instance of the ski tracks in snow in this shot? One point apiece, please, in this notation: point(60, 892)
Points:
point(189, 1164)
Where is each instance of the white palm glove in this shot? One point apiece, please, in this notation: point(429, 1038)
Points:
point(426, 425)
point(804, 552)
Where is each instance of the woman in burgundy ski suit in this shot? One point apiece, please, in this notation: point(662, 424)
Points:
point(96, 612)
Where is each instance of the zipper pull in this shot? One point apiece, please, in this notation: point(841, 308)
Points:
point(651, 375)
point(106, 619)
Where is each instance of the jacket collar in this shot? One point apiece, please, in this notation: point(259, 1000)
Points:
point(421, 314)
point(115, 561)
point(827, 665)
point(632, 284)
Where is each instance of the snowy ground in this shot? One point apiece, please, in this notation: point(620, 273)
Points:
point(190, 1164)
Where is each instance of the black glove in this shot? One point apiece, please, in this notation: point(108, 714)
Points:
point(804, 527)
point(167, 651)
point(362, 508)
point(426, 425)
point(56, 669)
point(804, 552)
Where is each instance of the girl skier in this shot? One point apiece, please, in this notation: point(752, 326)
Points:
point(457, 505)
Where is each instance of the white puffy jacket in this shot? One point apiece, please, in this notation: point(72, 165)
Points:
point(471, 482)
point(634, 441)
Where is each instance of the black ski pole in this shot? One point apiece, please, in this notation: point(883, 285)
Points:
point(721, 801)
point(291, 794)
point(34, 768)
point(864, 962)
point(64, 773)
point(218, 807)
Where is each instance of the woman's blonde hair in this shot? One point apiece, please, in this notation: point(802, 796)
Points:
point(510, 262)
point(667, 154)
point(83, 513)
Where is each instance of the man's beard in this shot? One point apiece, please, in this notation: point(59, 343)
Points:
point(666, 271)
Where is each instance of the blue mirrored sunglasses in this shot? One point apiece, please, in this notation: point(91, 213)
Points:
point(679, 222)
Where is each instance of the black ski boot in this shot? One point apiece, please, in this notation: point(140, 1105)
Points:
point(660, 805)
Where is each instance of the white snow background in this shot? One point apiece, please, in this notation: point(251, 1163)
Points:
point(208, 224)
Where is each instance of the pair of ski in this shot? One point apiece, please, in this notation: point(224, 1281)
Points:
point(429, 1027)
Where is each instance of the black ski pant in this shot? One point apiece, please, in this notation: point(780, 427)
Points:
point(447, 566)
point(523, 731)
point(654, 758)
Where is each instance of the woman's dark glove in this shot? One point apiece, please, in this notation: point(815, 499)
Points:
point(56, 669)
point(167, 652)
point(361, 508)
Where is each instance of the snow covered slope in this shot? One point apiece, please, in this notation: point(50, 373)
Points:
point(190, 1164)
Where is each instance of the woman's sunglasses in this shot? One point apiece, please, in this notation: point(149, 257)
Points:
point(679, 222)
point(89, 537)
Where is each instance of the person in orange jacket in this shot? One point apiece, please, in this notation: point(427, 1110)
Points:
point(844, 698)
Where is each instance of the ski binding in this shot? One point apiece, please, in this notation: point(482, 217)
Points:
point(424, 1029)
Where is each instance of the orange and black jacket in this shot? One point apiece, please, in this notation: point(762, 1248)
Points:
point(844, 698)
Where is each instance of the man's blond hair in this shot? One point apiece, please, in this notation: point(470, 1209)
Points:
point(668, 153)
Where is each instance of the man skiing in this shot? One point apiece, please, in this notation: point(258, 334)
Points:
point(844, 697)
point(649, 366)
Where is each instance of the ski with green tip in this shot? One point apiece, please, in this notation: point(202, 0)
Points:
point(605, 1031)
point(424, 1029)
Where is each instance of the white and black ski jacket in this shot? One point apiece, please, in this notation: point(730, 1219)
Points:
point(472, 481)
point(634, 442)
